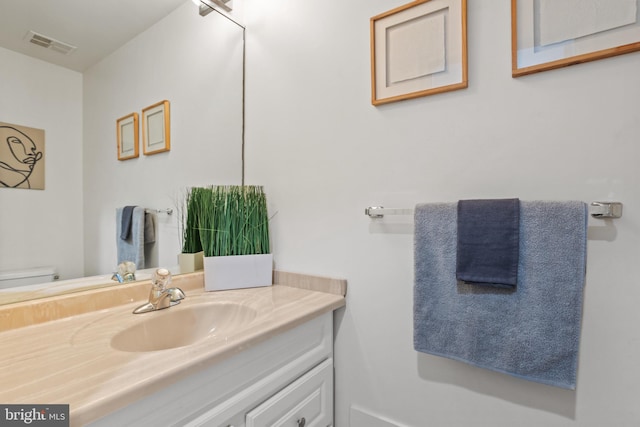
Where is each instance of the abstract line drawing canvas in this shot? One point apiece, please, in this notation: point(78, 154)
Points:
point(21, 157)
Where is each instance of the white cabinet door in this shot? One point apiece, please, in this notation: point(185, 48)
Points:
point(307, 402)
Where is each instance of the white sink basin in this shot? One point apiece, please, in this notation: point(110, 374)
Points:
point(180, 326)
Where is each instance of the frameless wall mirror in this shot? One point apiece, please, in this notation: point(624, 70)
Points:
point(188, 68)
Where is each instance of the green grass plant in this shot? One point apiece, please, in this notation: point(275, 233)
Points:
point(232, 220)
point(191, 243)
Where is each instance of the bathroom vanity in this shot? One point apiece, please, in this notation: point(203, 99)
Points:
point(286, 378)
point(269, 360)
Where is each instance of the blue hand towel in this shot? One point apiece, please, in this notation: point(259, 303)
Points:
point(131, 249)
point(125, 222)
point(531, 333)
point(488, 236)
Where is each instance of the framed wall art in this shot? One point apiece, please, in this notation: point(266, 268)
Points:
point(418, 49)
point(127, 132)
point(156, 131)
point(21, 157)
point(549, 34)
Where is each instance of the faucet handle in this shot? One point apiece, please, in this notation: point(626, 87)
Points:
point(176, 294)
point(161, 278)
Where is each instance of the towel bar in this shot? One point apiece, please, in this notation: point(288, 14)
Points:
point(168, 211)
point(600, 210)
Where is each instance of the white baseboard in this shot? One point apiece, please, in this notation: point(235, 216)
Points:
point(359, 417)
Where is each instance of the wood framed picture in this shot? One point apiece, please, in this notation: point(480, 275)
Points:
point(549, 34)
point(127, 132)
point(418, 49)
point(156, 130)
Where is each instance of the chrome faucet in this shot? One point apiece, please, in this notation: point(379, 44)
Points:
point(160, 296)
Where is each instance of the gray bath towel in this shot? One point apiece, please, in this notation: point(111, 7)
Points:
point(149, 227)
point(131, 249)
point(532, 331)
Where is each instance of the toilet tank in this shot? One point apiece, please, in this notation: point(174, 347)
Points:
point(27, 276)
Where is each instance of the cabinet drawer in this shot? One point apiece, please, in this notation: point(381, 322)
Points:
point(307, 402)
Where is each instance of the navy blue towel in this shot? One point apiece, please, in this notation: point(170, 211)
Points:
point(125, 227)
point(488, 240)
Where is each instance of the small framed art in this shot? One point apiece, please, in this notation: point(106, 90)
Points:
point(127, 132)
point(156, 131)
point(418, 49)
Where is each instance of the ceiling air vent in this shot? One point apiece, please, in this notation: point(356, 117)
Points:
point(50, 43)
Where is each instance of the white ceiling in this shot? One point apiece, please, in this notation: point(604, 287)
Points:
point(95, 27)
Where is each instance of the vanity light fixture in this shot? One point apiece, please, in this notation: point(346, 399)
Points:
point(207, 6)
point(203, 9)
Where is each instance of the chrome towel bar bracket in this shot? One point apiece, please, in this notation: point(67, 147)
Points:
point(600, 210)
point(380, 212)
point(606, 210)
point(167, 211)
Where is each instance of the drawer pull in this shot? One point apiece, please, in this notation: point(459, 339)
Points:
point(301, 422)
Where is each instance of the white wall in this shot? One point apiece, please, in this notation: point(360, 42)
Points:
point(324, 154)
point(44, 227)
point(193, 62)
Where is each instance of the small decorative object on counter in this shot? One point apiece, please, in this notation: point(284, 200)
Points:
point(190, 258)
point(126, 272)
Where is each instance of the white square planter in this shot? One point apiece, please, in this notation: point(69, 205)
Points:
point(191, 262)
point(237, 271)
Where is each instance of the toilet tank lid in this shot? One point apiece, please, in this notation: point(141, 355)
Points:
point(27, 272)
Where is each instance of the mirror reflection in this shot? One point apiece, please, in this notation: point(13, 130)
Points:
point(69, 229)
